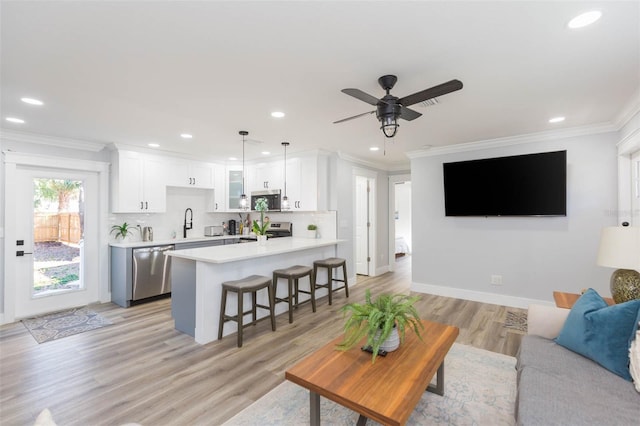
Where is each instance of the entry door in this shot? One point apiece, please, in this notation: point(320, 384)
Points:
point(56, 283)
point(362, 225)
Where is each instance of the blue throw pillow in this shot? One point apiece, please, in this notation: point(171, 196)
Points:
point(601, 332)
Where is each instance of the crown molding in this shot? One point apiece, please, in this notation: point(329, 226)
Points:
point(631, 109)
point(514, 140)
point(394, 167)
point(25, 137)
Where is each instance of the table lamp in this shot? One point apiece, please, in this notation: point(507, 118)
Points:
point(620, 248)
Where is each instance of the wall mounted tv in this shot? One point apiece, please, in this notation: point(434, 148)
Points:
point(521, 185)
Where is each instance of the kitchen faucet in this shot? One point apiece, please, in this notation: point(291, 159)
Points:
point(190, 226)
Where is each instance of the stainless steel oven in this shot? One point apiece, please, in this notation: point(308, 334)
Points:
point(274, 200)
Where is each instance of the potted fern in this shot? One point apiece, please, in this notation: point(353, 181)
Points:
point(122, 230)
point(383, 321)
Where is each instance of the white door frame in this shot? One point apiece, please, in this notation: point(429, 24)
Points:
point(393, 180)
point(11, 162)
point(372, 249)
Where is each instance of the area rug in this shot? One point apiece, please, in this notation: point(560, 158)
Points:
point(516, 321)
point(65, 323)
point(480, 389)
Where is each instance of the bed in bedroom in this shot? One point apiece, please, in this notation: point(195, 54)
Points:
point(402, 247)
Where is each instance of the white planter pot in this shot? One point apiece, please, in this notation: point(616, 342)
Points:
point(262, 239)
point(311, 233)
point(393, 341)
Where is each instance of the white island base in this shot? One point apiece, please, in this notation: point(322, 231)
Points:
point(197, 276)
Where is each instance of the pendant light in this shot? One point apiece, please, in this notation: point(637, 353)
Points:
point(244, 205)
point(285, 199)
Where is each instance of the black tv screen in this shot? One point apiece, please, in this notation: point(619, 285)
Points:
point(521, 185)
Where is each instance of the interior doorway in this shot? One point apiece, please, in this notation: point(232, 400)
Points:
point(364, 221)
point(400, 218)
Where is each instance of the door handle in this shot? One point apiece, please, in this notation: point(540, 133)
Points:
point(20, 253)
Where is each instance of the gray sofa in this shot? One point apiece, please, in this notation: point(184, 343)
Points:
point(559, 387)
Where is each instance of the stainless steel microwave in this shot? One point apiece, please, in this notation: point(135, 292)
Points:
point(273, 197)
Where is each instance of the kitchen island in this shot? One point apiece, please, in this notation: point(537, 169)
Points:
point(197, 276)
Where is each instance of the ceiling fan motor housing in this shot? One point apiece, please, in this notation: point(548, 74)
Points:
point(388, 106)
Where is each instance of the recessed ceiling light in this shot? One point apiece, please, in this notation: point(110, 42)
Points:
point(584, 19)
point(232, 158)
point(15, 120)
point(277, 114)
point(374, 148)
point(556, 120)
point(265, 153)
point(186, 136)
point(32, 101)
point(153, 145)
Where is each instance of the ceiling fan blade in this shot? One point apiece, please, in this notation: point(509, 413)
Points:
point(355, 116)
point(359, 94)
point(433, 92)
point(408, 114)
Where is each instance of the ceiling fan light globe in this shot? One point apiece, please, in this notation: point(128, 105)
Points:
point(389, 126)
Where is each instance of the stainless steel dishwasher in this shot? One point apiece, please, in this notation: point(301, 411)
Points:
point(151, 272)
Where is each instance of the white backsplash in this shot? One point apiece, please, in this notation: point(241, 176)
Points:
point(165, 225)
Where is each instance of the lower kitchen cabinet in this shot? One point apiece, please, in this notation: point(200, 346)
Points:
point(133, 267)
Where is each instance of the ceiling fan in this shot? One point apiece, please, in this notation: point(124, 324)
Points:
point(389, 108)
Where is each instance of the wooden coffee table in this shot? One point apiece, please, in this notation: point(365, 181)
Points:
point(386, 391)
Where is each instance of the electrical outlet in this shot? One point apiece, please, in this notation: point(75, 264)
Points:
point(496, 279)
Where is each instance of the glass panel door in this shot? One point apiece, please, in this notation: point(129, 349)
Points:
point(58, 219)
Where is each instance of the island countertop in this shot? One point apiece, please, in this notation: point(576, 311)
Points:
point(253, 250)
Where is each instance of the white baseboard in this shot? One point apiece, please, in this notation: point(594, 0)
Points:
point(478, 296)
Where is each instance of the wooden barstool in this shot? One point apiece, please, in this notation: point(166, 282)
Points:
point(292, 274)
point(250, 284)
point(331, 264)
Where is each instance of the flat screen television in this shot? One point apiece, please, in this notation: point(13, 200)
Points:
point(521, 185)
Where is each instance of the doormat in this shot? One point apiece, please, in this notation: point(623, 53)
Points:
point(64, 323)
point(516, 321)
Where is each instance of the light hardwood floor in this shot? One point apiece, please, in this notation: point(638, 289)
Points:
point(142, 370)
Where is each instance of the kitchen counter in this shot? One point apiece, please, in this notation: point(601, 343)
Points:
point(197, 276)
point(236, 252)
point(137, 244)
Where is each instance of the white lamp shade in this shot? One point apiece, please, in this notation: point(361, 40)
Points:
point(620, 247)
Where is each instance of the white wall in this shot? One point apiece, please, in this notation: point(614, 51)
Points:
point(456, 256)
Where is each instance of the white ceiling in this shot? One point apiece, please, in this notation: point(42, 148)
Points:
point(138, 72)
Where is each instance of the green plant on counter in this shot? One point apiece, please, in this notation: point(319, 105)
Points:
point(122, 230)
point(376, 319)
point(261, 206)
point(312, 227)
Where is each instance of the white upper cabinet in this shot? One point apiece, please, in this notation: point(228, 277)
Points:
point(191, 174)
point(233, 188)
point(264, 176)
point(306, 182)
point(138, 183)
point(218, 203)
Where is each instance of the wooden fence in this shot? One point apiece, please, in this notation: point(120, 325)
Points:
point(57, 227)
